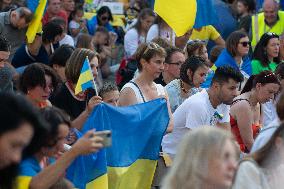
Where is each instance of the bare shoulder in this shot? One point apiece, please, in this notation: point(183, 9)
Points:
point(127, 97)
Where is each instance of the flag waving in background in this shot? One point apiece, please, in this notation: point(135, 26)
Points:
point(182, 15)
point(86, 78)
point(36, 25)
point(130, 162)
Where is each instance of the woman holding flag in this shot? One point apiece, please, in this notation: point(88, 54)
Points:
point(150, 58)
point(80, 105)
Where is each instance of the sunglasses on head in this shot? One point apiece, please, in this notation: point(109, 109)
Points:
point(191, 42)
point(151, 46)
point(271, 34)
point(245, 43)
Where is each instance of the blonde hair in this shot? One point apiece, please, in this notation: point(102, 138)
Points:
point(197, 149)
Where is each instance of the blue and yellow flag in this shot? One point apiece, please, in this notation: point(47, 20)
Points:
point(86, 78)
point(36, 25)
point(130, 162)
point(182, 15)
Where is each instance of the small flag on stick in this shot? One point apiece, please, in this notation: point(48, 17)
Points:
point(86, 79)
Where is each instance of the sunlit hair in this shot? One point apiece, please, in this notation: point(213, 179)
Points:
point(193, 46)
point(147, 51)
point(163, 42)
point(196, 151)
point(142, 15)
point(84, 41)
point(267, 156)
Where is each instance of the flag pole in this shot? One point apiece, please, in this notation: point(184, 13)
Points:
point(95, 86)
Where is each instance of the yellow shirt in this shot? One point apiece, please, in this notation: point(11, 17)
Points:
point(206, 33)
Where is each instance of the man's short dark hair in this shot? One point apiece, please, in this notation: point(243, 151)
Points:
point(4, 44)
point(224, 73)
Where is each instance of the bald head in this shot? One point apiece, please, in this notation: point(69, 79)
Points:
point(270, 9)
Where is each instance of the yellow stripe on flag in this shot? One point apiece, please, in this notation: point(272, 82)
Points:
point(84, 77)
point(179, 14)
point(138, 175)
point(100, 182)
point(36, 25)
point(214, 68)
point(23, 182)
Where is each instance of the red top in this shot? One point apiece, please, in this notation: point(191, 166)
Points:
point(47, 17)
point(235, 130)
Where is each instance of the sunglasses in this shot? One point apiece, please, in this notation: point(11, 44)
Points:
point(151, 46)
point(245, 43)
point(105, 18)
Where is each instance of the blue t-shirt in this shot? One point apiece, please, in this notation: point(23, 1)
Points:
point(23, 58)
point(29, 167)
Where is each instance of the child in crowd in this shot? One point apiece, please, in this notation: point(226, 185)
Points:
point(109, 93)
point(77, 25)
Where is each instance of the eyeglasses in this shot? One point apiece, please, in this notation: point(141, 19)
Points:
point(179, 63)
point(151, 46)
point(105, 18)
point(245, 43)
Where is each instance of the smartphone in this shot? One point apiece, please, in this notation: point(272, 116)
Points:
point(106, 135)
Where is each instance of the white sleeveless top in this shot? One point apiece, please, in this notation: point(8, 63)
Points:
point(159, 87)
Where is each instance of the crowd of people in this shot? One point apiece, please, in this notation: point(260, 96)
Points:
point(225, 102)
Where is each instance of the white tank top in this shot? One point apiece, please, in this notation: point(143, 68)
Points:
point(138, 94)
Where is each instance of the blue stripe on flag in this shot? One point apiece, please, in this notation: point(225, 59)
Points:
point(87, 85)
point(85, 66)
point(205, 14)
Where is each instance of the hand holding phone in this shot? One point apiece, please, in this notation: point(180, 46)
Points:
point(106, 136)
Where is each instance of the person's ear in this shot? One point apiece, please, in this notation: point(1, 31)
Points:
point(143, 62)
point(278, 143)
point(258, 86)
point(216, 85)
point(189, 73)
point(55, 66)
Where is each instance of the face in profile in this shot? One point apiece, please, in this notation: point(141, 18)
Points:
point(199, 76)
point(56, 146)
point(221, 169)
point(12, 144)
point(266, 92)
point(228, 91)
point(155, 66)
point(94, 63)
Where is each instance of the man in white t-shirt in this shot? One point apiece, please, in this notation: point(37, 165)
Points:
point(208, 107)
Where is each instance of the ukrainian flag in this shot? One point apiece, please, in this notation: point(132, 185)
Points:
point(130, 162)
point(36, 25)
point(182, 15)
point(86, 79)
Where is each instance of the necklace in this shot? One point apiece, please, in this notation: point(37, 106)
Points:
point(182, 87)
